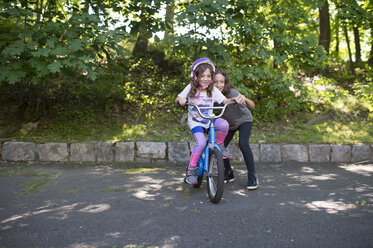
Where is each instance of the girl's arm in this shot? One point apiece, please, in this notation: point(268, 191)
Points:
point(242, 99)
point(182, 97)
point(226, 100)
point(180, 100)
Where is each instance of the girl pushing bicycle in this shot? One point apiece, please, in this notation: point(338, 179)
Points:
point(240, 119)
point(202, 92)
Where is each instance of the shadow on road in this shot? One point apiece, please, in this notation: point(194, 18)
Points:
point(54, 205)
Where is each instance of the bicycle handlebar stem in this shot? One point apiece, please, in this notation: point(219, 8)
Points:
point(212, 117)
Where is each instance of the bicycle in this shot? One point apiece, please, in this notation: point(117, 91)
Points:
point(211, 160)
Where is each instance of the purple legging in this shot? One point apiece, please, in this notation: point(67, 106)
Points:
point(221, 127)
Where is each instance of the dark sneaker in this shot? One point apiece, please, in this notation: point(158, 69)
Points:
point(252, 182)
point(191, 175)
point(224, 151)
point(228, 176)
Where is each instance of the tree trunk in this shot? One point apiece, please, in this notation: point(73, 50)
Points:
point(324, 25)
point(357, 44)
point(370, 60)
point(142, 42)
point(275, 46)
point(337, 24)
point(38, 10)
point(169, 20)
point(349, 49)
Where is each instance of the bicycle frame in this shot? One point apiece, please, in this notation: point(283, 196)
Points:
point(203, 162)
point(210, 144)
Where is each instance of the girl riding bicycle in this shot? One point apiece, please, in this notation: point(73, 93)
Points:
point(202, 92)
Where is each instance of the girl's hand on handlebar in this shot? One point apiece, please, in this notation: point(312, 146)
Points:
point(240, 99)
point(181, 101)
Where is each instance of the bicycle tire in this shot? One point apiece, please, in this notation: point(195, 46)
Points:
point(215, 177)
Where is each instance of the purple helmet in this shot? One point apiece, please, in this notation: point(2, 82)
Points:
point(198, 62)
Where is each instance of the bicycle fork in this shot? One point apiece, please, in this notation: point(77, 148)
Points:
point(203, 161)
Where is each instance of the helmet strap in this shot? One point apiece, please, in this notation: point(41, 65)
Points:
point(202, 88)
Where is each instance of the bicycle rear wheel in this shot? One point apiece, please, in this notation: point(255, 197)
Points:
point(215, 177)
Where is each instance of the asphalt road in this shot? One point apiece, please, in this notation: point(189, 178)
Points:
point(296, 205)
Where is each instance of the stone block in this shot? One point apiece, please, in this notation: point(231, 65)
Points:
point(83, 152)
point(18, 151)
point(191, 146)
point(236, 154)
point(341, 153)
point(256, 152)
point(178, 152)
point(319, 152)
point(1, 151)
point(105, 152)
point(151, 150)
point(360, 153)
point(124, 151)
point(52, 151)
point(270, 153)
point(294, 152)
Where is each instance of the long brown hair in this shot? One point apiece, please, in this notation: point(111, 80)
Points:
point(227, 84)
point(194, 83)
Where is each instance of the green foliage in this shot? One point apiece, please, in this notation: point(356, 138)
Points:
point(54, 59)
point(66, 58)
point(363, 89)
point(261, 46)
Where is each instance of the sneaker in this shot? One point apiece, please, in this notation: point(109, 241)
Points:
point(191, 175)
point(228, 176)
point(224, 151)
point(252, 182)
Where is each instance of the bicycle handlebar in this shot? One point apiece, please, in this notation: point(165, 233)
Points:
point(222, 108)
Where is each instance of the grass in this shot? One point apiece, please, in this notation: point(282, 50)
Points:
point(342, 129)
point(20, 172)
point(32, 187)
point(349, 132)
point(27, 187)
point(139, 170)
point(351, 122)
point(116, 190)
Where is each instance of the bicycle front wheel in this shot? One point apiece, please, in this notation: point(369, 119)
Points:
point(215, 177)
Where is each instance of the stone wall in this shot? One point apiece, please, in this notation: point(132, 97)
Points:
point(176, 152)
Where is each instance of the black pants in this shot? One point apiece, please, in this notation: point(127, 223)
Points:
point(243, 142)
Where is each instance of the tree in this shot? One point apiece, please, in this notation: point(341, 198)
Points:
point(369, 10)
point(349, 48)
point(337, 24)
point(370, 60)
point(357, 44)
point(324, 25)
point(169, 20)
point(357, 15)
point(55, 55)
point(141, 16)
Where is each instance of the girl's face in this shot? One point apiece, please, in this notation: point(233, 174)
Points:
point(219, 81)
point(205, 78)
